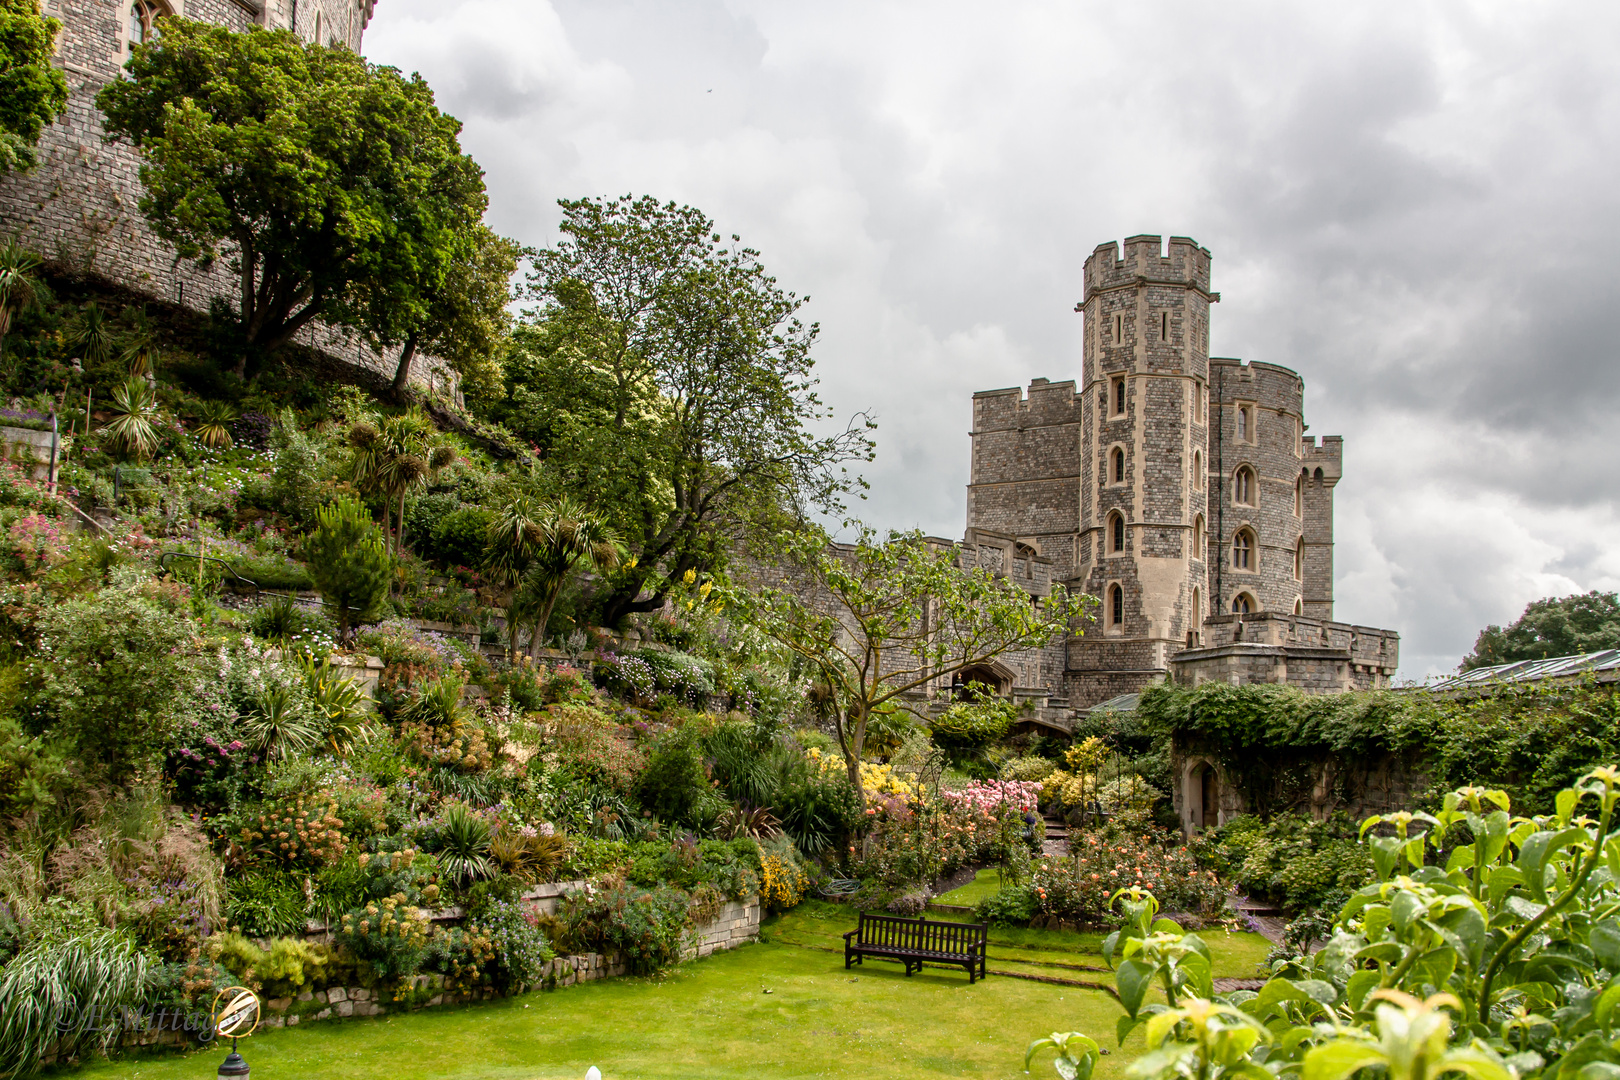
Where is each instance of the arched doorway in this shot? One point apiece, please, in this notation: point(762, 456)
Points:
point(994, 679)
point(1201, 796)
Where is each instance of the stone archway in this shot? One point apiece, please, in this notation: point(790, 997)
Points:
point(995, 677)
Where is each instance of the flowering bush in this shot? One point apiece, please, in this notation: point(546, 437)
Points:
point(648, 925)
point(388, 936)
point(994, 796)
point(627, 676)
point(308, 833)
point(1028, 768)
point(1077, 889)
point(876, 780)
point(37, 543)
point(783, 879)
point(582, 740)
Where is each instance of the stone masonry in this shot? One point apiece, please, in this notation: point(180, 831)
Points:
point(1179, 489)
point(79, 206)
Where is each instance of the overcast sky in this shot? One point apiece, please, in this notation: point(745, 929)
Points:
point(1412, 204)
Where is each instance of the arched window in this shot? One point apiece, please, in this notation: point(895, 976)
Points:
point(1116, 606)
point(1243, 486)
point(1198, 471)
point(1116, 532)
point(143, 17)
point(1198, 537)
point(1119, 397)
point(1243, 550)
point(1119, 465)
point(1299, 607)
point(1299, 496)
point(1242, 604)
point(1299, 560)
point(1196, 622)
point(1243, 424)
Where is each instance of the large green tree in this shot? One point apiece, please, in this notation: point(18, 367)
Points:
point(666, 378)
point(1556, 626)
point(33, 91)
point(323, 180)
point(884, 618)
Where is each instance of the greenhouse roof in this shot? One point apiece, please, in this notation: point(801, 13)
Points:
point(1123, 703)
point(1532, 670)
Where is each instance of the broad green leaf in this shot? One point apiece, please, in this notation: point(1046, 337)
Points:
point(1604, 941)
point(1564, 803)
point(1604, 1009)
point(1360, 985)
point(1467, 926)
point(1339, 1059)
point(1123, 1027)
point(1161, 1025)
point(1403, 908)
point(1477, 1063)
point(1132, 980)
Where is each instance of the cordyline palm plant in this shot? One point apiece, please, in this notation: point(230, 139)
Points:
point(133, 429)
point(91, 336)
point(533, 546)
point(19, 287)
point(396, 455)
point(212, 426)
point(141, 354)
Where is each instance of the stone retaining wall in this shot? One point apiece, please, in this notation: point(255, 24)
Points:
point(736, 924)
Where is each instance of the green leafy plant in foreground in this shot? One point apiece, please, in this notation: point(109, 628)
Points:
point(1499, 958)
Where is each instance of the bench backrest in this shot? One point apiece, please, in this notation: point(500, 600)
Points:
point(897, 932)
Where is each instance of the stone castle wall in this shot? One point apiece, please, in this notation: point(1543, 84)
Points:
point(79, 207)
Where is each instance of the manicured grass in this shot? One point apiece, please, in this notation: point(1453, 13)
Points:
point(985, 884)
point(714, 1019)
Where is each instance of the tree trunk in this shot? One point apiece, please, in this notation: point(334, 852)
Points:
point(402, 373)
point(399, 534)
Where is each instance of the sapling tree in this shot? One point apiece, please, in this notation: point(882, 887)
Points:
point(33, 90)
point(886, 617)
point(349, 562)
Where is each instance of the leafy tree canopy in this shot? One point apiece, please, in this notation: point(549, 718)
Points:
point(32, 90)
point(1556, 626)
point(886, 617)
point(334, 187)
point(666, 377)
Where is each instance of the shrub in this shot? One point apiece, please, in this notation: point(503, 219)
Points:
point(783, 878)
point(969, 726)
point(32, 774)
point(305, 833)
point(649, 926)
point(909, 904)
point(1011, 906)
point(1078, 889)
point(517, 949)
point(388, 936)
point(1029, 769)
point(349, 563)
point(288, 966)
point(458, 538)
point(115, 668)
point(286, 622)
point(587, 743)
point(1293, 860)
point(675, 786)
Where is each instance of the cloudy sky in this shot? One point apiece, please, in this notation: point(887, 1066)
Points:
point(1412, 204)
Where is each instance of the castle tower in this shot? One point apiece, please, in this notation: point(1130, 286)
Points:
point(1261, 496)
point(1022, 485)
point(1144, 458)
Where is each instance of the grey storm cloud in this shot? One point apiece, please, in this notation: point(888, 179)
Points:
point(1412, 204)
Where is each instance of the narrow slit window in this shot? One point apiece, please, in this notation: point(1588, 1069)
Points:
point(1117, 604)
point(1119, 465)
point(1164, 327)
point(1119, 397)
point(1116, 533)
point(1119, 329)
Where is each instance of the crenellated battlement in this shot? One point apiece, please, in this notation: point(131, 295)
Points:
point(1047, 403)
point(1183, 263)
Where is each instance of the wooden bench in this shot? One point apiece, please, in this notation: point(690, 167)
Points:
point(914, 942)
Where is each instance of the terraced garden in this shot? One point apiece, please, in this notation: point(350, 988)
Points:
point(783, 1008)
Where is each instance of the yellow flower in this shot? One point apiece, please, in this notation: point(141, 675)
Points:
point(689, 577)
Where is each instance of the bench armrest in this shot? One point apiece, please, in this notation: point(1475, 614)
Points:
point(850, 934)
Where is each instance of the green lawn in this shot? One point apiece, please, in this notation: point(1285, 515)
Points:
point(985, 884)
point(782, 1008)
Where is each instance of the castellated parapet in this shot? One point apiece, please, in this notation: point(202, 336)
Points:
point(1180, 490)
point(79, 206)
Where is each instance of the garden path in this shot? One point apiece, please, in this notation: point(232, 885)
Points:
point(1056, 844)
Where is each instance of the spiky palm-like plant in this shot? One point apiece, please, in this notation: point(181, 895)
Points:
point(19, 285)
point(141, 354)
point(397, 455)
point(279, 726)
point(133, 429)
point(464, 845)
point(569, 538)
point(91, 335)
point(212, 426)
